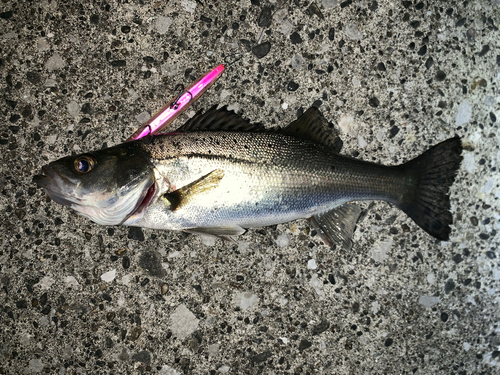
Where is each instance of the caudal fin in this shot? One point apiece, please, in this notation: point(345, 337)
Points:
point(428, 203)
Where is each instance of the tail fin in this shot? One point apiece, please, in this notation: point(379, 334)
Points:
point(428, 203)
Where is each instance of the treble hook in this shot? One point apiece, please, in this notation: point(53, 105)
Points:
point(175, 104)
point(232, 58)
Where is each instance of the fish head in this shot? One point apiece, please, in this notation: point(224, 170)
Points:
point(107, 186)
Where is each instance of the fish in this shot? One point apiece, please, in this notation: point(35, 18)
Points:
point(219, 174)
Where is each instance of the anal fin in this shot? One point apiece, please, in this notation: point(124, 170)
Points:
point(336, 226)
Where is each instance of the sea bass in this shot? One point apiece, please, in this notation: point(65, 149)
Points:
point(218, 174)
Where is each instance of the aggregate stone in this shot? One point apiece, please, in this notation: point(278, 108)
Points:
point(265, 17)
point(136, 233)
point(143, 356)
point(292, 86)
point(183, 322)
point(320, 327)
point(304, 344)
point(464, 113)
point(394, 77)
point(150, 261)
point(295, 38)
point(261, 50)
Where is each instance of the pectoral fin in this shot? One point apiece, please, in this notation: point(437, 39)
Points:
point(336, 227)
point(183, 195)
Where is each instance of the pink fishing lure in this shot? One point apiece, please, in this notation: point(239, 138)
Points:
point(169, 112)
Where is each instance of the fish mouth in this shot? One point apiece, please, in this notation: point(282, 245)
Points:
point(54, 185)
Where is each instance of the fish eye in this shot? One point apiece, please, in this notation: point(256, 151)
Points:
point(84, 164)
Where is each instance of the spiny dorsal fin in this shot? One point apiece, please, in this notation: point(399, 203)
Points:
point(312, 125)
point(183, 195)
point(219, 120)
point(335, 227)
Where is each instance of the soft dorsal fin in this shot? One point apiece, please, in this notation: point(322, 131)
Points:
point(219, 120)
point(312, 125)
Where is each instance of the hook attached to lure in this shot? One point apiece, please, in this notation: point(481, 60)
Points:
point(169, 112)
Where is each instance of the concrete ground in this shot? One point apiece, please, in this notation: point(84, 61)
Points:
point(394, 76)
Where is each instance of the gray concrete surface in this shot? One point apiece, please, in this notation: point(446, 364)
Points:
point(396, 77)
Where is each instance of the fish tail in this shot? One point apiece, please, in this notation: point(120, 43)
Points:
point(429, 177)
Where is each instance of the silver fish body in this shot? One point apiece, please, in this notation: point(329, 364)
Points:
point(268, 178)
point(220, 175)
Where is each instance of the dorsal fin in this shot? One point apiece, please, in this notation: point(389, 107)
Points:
point(219, 120)
point(312, 125)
